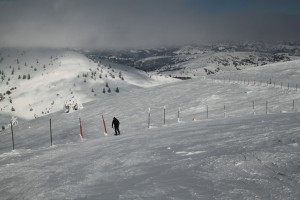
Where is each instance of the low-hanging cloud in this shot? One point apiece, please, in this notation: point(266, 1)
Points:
point(117, 24)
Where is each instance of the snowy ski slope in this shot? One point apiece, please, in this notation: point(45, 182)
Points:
point(242, 156)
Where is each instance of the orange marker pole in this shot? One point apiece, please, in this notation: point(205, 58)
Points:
point(104, 126)
point(81, 130)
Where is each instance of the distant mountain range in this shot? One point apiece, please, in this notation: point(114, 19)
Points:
point(202, 60)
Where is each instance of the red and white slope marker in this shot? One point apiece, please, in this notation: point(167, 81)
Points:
point(104, 126)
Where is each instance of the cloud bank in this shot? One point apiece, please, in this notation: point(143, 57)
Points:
point(117, 24)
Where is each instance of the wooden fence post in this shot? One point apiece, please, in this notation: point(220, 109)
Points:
point(12, 136)
point(149, 118)
point(206, 111)
point(164, 114)
point(50, 132)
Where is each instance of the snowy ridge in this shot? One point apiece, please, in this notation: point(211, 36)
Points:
point(38, 82)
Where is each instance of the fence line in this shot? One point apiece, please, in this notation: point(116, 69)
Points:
point(211, 111)
point(248, 82)
point(225, 111)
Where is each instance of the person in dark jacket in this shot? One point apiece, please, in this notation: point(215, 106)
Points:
point(115, 124)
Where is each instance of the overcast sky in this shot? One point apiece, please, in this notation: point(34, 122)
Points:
point(119, 24)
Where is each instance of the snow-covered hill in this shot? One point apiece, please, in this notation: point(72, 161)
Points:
point(239, 152)
point(286, 73)
point(38, 82)
point(211, 62)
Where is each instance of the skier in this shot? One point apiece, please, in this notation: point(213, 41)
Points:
point(115, 124)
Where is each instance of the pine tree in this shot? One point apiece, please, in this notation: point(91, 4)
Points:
point(1, 97)
point(117, 90)
point(103, 90)
point(108, 90)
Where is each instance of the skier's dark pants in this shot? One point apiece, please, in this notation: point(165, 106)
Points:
point(117, 131)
